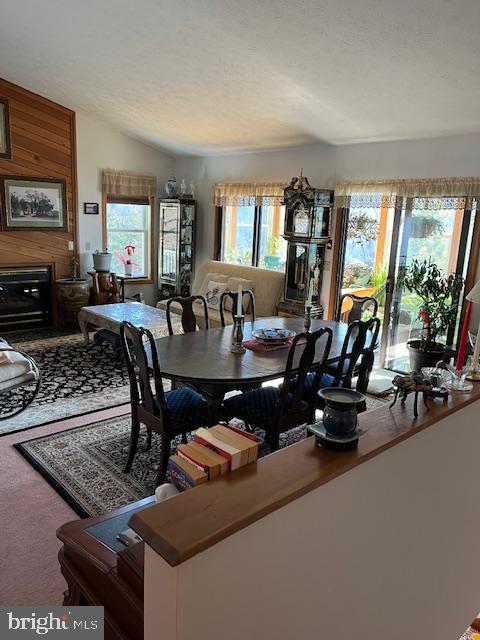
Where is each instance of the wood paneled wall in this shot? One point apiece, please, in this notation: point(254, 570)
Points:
point(43, 145)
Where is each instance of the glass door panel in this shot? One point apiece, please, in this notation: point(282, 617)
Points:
point(238, 232)
point(441, 234)
point(169, 232)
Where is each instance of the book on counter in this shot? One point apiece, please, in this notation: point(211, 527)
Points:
point(213, 452)
point(185, 475)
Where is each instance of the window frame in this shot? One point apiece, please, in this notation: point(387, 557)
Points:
point(257, 234)
point(106, 199)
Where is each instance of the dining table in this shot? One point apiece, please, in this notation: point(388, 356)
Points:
point(203, 359)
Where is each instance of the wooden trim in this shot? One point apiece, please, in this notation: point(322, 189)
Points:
point(73, 152)
point(197, 519)
point(337, 250)
point(8, 153)
point(217, 240)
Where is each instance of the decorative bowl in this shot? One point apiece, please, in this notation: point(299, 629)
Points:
point(272, 334)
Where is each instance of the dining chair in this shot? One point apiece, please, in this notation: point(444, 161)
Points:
point(233, 296)
point(341, 372)
point(360, 304)
point(187, 316)
point(169, 414)
point(278, 409)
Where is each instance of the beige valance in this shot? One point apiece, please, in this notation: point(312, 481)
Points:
point(429, 191)
point(245, 194)
point(124, 183)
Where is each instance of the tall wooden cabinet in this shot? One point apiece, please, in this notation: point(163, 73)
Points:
point(176, 246)
point(307, 228)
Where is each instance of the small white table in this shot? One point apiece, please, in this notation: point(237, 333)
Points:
point(110, 316)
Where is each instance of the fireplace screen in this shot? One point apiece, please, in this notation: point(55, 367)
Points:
point(25, 297)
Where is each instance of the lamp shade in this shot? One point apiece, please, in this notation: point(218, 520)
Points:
point(474, 294)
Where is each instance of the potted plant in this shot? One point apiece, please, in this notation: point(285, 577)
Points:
point(127, 260)
point(72, 293)
point(273, 260)
point(439, 305)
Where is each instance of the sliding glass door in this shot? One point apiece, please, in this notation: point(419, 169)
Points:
point(381, 236)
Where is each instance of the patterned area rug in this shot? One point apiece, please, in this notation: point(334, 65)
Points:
point(85, 464)
point(76, 379)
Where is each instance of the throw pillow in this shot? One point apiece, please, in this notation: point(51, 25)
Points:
point(213, 293)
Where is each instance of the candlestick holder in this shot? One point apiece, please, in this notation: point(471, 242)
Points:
point(307, 319)
point(237, 335)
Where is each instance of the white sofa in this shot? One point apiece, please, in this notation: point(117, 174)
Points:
point(267, 287)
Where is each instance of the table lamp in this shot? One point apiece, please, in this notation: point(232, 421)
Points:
point(473, 297)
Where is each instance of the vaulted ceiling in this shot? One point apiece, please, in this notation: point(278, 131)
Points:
point(216, 76)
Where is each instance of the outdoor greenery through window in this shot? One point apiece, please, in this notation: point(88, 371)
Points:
point(129, 224)
point(252, 236)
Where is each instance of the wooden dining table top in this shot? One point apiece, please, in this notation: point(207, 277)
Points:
point(205, 356)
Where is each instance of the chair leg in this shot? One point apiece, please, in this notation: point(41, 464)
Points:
point(149, 440)
point(164, 457)
point(133, 442)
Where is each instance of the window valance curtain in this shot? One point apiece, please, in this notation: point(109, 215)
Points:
point(429, 193)
point(125, 184)
point(245, 194)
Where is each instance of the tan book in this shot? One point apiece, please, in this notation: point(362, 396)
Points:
point(212, 455)
point(248, 448)
point(241, 440)
point(232, 454)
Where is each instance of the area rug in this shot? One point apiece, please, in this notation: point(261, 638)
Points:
point(85, 464)
point(76, 379)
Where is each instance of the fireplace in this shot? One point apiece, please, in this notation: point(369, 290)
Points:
point(25, 297)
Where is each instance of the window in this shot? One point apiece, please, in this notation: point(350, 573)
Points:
point(128, 221)
point(252, 235)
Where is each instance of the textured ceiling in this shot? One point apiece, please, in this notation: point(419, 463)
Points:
point(213, 76)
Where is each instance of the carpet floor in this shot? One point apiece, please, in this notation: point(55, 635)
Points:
point(85, 464)
point(30, 513)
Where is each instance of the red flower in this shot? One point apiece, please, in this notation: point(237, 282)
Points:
point(424, 317)
point(130, 249)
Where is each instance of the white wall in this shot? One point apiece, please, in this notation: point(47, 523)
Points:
point(387, 550)
point(99, 147)
point(325, 165)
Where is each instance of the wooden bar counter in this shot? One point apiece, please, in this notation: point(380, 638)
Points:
point(196, 520)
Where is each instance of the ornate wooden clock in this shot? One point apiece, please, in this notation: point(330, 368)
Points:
point(307, 226)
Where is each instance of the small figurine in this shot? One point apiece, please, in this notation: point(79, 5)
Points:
point(416, 383)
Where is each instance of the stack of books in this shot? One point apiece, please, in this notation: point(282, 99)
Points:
point(213, 452)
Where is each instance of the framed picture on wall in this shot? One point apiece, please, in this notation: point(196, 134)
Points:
point(90, 208)
point(32, 203)
point(5, 151)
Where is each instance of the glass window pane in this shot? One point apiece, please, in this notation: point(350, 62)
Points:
point(129, 224)
point(237, 240)
point(127, 216)
point(273, 247)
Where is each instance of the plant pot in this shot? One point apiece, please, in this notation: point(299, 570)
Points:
point(102, 261)
point(420, 358)
point(72, 295)
point(128, 267)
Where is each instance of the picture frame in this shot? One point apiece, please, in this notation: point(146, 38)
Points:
point(91, 208)
point(33, 204)
point(5, 146)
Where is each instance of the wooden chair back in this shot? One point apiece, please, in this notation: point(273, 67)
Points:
point(367, 360)
point(360, 304)
point(188, 319)
point(133, 340)
point(296, 412)
point(352, 349)
point(233, 296)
